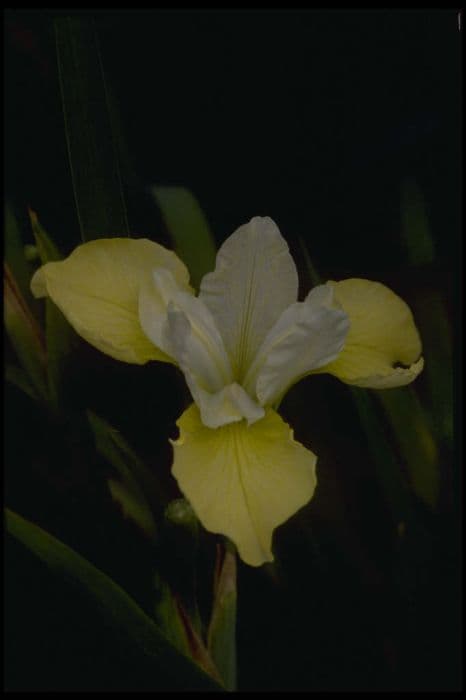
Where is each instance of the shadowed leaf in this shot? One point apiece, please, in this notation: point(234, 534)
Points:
point(59, 334)
point(189, 229)
point(111, 603)
point(24, 333)
point(222, 628)
point(92, 153)
point(138, 490)
point(416, 236)
point(414, 437)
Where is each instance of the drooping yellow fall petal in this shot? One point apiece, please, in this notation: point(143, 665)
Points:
point(97, 288)
point(243, 481)
point(383, 346)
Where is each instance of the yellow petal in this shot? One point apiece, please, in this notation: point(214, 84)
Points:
point(97, 289)
point(243, 481)
point(382, 336)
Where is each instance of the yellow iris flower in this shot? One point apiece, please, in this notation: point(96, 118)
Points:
point(241, 343)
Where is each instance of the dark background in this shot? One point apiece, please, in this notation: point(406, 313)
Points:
point(314, 118)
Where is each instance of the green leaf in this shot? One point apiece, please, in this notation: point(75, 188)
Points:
point(92, 152)
point(134, 506)
point(58, 332)
point(18, 377)
point(385, 460)
point(416, 235)
point(429, 310)
point(180, 630)
point(112, 603)
point(222, 628)
point(189, 229)
point(179, 546)
point(25, 334)
point(15, 256)
point(48, 251)
point(168, 616)
point(139, 492)
point(414, 438)
point(60, 339)
point(436, 334)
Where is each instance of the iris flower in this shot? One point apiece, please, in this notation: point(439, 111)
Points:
point(241, 344)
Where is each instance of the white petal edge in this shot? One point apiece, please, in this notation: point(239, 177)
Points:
point(254, 281)
point(308, 335)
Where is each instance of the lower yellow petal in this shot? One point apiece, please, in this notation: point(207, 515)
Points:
point(243, 481)
point(382, 337)
point(97, 289)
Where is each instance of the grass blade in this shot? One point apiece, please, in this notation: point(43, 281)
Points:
point(189, 229)
point(111, 602)
point(93, 157)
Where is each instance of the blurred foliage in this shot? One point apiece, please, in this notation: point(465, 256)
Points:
point(110, 601)
point(189, 229)
point(93, 158)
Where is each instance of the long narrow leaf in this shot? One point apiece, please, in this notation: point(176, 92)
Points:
point(93, 156)
point(111, 602)
point(222, 628)
point(25, 334)
point(385, 459)
point(15, 257)
point(416, 236)
point(436, 334)
point(18, 377)
point(58, 332)
point(430, 310)
point(189, 229)
point(138, 490)
point(46, 248)
point(414, 437)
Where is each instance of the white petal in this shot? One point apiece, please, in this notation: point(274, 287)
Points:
point(306, 335)
point(254, 281)
point(183, 326)
point(198, 348)
point(196, 343)
point(154, 297)
point(229, 405)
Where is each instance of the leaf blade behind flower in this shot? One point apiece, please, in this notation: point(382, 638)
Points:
point(25, 334)
point(138, 490)
point(188, 226)
point(111, 603)
point(58, 332)
point(92, 154)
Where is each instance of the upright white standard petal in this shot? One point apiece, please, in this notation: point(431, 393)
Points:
point(307, 335)
point(200, 353)
point(254, 281)
point(182, 325)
